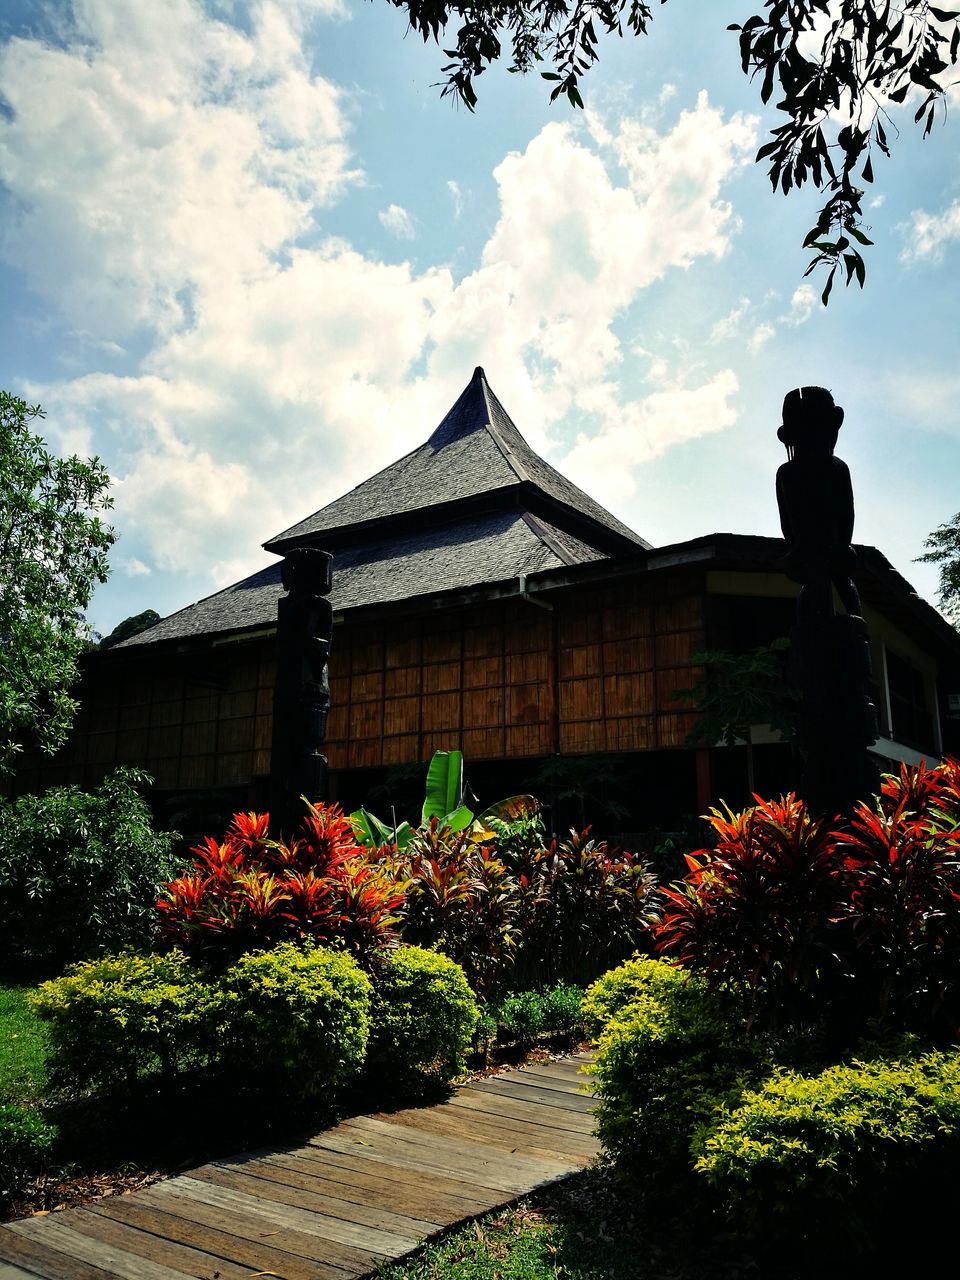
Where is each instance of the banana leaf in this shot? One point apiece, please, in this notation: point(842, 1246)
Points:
point(370, 831)
point(444, 794)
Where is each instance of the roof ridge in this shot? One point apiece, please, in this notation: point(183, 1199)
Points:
point(549, 539)
point(494, 431)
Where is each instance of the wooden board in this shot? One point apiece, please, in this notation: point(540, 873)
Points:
point(365, 1191)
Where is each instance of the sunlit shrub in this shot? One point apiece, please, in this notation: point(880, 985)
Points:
point(422, 1019)
point(294, 1019)
point(847, 1155)
point(122, 1019)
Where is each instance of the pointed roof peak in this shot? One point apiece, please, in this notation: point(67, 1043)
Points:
point(475, 456)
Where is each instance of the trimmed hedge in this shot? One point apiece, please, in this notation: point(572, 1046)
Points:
point(423, 1016)
point(291, 1017)
point(297, 1019)
point(833, 1153)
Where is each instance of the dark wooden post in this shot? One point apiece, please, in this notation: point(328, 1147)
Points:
point(831, 653)
point(301, 700)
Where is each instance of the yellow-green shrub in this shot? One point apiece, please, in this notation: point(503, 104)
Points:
point(667, 1052)
point(294, 1018)
point(842, 1152)
point(423, 1016)
point(120, 1019)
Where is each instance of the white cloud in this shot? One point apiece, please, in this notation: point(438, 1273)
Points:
point(456, 197)
point(283, 366)
point(728, 326)
point(802, 305)
point(134, 568)
point(397, 221)
point(930, 233)
point(607, 462)
point(760, 337)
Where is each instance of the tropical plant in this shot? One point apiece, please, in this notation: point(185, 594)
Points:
point(865, 917)
point(26, 1141)
point(248, 891)
point(79, 871)
point(444, 801)
point(738, 691)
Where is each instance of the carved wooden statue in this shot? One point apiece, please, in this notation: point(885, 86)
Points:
point(832, 652)
point(302, 693)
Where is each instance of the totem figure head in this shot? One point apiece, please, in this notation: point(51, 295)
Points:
point(307, 571)
point(811, 422)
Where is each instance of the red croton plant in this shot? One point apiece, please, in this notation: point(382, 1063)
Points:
point(250, 891)
point(789, 906)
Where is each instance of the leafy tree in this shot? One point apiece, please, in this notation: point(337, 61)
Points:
point(131, 626)
point(739, 690)
point(53, 550)
point(943, 548)
point(837, 66)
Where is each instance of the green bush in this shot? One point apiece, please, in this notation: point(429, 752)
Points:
point(423, 1016)
point(668, 1052)
point(25, 1144)
point(126, 1018)
point(295, 1019)
point(562, 1009)
point(841, 1153)
point(79, 872)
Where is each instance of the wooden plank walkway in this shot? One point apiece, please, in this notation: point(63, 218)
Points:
point(369, 1190)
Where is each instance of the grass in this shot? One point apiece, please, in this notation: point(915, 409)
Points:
point(23, 1048)
point(589, 1228)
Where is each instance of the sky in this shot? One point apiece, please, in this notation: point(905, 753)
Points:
point(249, 256)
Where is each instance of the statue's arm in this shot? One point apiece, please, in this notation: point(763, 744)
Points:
point(845, 511)
point(784, 506)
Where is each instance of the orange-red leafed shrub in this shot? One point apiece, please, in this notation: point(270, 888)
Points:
point(787, 906)
point(248, 892)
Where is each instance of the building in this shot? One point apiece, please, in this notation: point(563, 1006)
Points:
point(483, 601)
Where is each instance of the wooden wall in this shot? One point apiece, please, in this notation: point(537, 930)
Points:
point(193, 722)
point(502, 680)
point(595, 673)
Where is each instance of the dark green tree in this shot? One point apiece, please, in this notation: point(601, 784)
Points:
point(738, 691)
point(943, 548)
point(835, 68)
point(53, 550)
point(131, 626)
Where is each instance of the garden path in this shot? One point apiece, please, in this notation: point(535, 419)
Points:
point(366, 1191)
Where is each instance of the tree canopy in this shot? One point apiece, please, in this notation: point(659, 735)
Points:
point(131, 626)
point(53, 551)
point(837, 68)
point(943, 548)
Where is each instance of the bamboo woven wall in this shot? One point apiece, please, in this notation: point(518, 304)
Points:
point(506, 680)
point(501, 680)
point(193, 723)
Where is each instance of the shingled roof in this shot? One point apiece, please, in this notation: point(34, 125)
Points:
point(476, 457)
point(472, 507)
point(475, 552)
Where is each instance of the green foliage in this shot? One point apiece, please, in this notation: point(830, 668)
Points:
point(668, 1052)
point(422, 1018)
point(298, 1019)
point(524, 1015)
point(123, 1019)
point(53, 549)
point(23, 1047)
point(839, 1150)
point(79, 871)
point(289, 1018)
point(131, 626)
point(864, 54)
point(26, 1140)
point(943, 548)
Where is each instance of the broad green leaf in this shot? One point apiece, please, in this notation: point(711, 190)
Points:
point(444, 785)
